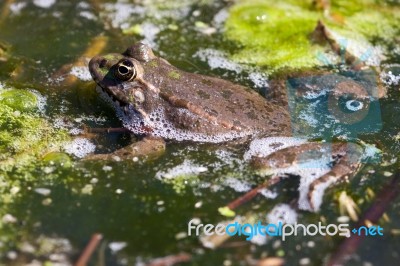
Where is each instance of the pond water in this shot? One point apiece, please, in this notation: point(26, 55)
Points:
point(53, 201)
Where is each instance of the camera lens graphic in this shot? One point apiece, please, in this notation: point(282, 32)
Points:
point(349, 102)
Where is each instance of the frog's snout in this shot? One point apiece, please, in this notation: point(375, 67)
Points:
point(96, 64)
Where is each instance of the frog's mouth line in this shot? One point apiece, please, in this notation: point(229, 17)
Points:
point(113, 98)
point(127, 108)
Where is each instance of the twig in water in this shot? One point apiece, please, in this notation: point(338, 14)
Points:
point(89, 249)
point(252, 193)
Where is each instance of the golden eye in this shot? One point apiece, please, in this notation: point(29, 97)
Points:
point(125, 70)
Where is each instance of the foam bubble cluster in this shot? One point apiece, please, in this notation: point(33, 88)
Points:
point(160, 126)
point(81, 73)
point(266, 146)
point(80, 147)
point(282, 213)
point(41, 101)
point(185, 169)
point(389, 78)
point(237, 185)
point(217, 59)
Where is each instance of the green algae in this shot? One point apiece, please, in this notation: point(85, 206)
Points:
point(30, 154)
point(20, 100)
point(24, 136)
point(277, 35)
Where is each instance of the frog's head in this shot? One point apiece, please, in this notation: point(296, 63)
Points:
point(121, 77)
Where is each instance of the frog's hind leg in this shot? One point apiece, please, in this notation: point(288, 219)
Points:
point(346, 163)
point(319, 165)
point(147, 147)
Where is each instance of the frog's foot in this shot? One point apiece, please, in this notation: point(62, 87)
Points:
point(147, 147)
point(319, 165)
point(341, 170)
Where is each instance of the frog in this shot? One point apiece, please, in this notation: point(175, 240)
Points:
point(163, 103)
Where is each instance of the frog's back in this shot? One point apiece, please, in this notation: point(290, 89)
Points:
point(232, 106)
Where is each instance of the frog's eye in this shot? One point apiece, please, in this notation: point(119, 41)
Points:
point(125, 70)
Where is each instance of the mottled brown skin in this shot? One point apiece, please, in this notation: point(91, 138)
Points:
point(216, 105)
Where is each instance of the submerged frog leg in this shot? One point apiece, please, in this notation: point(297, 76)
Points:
point(147, 147)
point(340, 171)
point(318, 164)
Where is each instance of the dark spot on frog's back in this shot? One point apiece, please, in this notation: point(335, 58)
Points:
point(252, 115)
point(226, 94)
point(237, 123)
point(203, 94)
point(231, 109)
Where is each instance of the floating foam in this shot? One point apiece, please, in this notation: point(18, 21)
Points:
point(184, 169)
point(43, 191)
point(219, 18)
point(41, 101)
point(44, 3)
point(268, 193)
point(237, 185)
point(119, 13)
point(80, 147)
point(81, 72)
point(76, 131)
point(266, 146)
point(388, 78)
point(259, 240)
point(282, 213)
point(16, 8)
point(88, 15)
point(217, 59)
point(259, 79)
point(149, 32)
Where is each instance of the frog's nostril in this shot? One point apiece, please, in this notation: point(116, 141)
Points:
point(103, 63)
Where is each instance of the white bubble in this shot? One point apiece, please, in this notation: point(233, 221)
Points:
point(117, 246)
point(43, 191)
point(44, 3)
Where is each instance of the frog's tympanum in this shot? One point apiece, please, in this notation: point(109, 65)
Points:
point(157, 100)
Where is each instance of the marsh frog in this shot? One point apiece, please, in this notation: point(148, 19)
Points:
point(155, 99)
